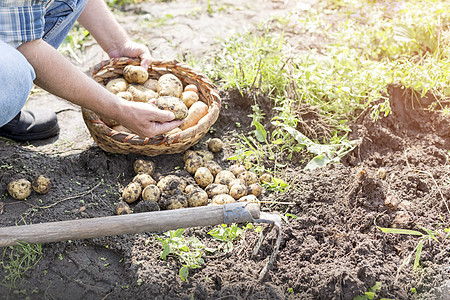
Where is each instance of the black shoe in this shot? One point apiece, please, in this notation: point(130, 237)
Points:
point(28, 125)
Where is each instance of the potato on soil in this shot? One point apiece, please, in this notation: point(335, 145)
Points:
point(189, 98)
point(237, 169)
point(125, 95)
point(122, 208)
point(203, 177)
point(215, 189)
point(135, 74)
point(205, 154)
point(141, 93)
point(19, 189)
point(146, 206)
point(131, 192)
point(174, 105)
point(197, 197)
point(192, 164)
point(171, 183)
point(169, 85)
point(249, 177)
point(249, 198)
point(236, 181)
point(222, 199)
point(188, 154)
point(190, 187)
point(151, 193)
point(224, 177)
point(151, 84)
point(265, 177)
point(213, 167)
point(117, 85)
point(254, 189)
point(191, 87)
point(144, 179)
point(175, 201)
point(238, 190)
point(215, 145)
point(197, 111)
point(41, 184)
point(144, 166)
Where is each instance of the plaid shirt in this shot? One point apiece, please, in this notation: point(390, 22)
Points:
point(22, 20)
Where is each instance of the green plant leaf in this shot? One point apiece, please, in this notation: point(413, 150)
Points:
point(184, 273)
point(260, 133)
point(400, 231)
point(418, 254)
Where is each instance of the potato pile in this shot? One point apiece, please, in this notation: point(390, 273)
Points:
point(21, 188)
point(166, 93)
point(211, 185)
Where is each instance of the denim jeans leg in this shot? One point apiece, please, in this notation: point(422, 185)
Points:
point(16, 75)
point(60, 18)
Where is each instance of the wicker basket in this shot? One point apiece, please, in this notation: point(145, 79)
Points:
point(124, 143)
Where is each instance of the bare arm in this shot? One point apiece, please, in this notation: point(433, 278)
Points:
point(58, 76)
point(100, 22)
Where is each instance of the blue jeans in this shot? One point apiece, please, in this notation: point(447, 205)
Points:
point(16, 73)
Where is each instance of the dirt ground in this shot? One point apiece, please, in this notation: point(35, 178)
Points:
point(332, 250)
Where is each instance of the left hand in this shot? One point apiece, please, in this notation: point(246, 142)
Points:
point(133, 49)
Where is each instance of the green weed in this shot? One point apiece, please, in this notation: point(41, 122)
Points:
point(229, 234)
point(17, 260)
point(188, 252)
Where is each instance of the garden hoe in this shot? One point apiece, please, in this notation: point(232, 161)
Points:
point(159, 221)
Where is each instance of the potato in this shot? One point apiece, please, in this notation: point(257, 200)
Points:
point(192, 164)
point(215, 145)
point(125, 95)
point(144, 179)
point(215, 189)
point(237, 169)
point(222, 199)
point(144, 166)
point(117, 85)
point(141, 93)
point(135, 74)
point(238, 190)
point(174, 105)
point(175, 201)
point(203, 177)
point(171, 183)
point(192, 88)
point(169, 85)
point(224, 177)
point(213, 167)
point(151, 193)
point(254, 189)
point(236, 181)
point(19, 189)
point(189, 98)
point(205, 154)
point(146, 206)
point(122, 208)
point(197, 197)
point(197, 111)
point(249, 198)
point(151, 84)
point(265, 177)
point(41, 184)
point(190, 187)
point(249, 177)
point(188, 154)
point(131, 192)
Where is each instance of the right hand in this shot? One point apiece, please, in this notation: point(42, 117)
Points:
point(146, 120)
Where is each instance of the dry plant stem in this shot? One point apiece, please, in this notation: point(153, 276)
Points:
point(62, 200)
point(432, 178)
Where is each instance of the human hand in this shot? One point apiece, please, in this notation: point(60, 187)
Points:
point(133, 49)
point(146, 120)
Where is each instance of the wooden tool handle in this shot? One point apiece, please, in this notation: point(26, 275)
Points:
point(116, 225)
